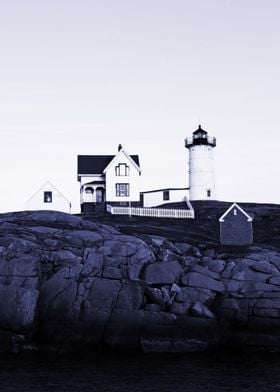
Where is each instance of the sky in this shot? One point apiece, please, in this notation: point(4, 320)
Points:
point(80, 77)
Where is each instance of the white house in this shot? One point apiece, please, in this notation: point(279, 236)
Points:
point(112, 179)
point(48, 197)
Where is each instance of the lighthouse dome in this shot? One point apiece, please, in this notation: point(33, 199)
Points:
point(200, 136)
point(199, 132)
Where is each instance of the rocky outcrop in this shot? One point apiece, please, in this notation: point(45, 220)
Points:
point(67, 283)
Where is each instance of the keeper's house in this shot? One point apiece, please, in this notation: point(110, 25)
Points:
point(236, 227)
point(113, 179)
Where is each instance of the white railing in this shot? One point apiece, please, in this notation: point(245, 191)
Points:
point(151, 212)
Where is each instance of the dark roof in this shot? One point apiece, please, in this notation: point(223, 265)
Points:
point(164, 189)
point(95, 164)
point(95, 183)
point(199, 130)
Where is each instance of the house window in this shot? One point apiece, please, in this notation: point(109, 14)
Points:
point(122, 169)
point(166, 195)
point(235, 211)
point(208, 192)
point(48, 197)
point(122, 189)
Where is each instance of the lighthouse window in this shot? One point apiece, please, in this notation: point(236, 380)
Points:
point(208, 192)
point(47, 197)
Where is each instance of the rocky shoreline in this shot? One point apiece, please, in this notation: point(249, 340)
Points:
point(68, 284)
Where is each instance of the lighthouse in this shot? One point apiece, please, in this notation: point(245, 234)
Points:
point(201, 167)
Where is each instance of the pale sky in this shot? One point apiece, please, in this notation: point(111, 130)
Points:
point(80, 77)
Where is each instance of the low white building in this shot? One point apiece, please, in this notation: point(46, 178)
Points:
point(158, 197)
point(48, 197)
point(112, 179)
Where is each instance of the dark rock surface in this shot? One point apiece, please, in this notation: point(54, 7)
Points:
point(67, 284)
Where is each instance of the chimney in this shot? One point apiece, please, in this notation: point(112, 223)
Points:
point(120, 147)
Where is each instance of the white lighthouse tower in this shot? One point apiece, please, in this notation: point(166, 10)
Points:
point(201, 167)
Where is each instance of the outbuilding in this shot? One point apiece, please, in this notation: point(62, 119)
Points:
point(236, 227)
point(48, 197)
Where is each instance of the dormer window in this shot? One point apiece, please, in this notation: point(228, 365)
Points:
point(122, 169)
point(47, 197)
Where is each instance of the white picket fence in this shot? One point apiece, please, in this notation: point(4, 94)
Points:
point(151, 212)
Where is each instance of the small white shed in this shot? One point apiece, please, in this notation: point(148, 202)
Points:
point(48, 197)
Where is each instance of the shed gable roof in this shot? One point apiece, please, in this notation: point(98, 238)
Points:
point(235, 205)
point(96, 164)
point(48, 185)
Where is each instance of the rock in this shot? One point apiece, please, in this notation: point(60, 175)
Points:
point(210, 253)
point(152, 307)
point(130, 297)
point(104, 293)
point(257, 286)
point(72, 283)
point(232, 285)
point(217, 266)
point(137, 262)
point(163, 273)
point(205, 271)
point(200, 310)
point(192, 295)
point(267, 303)
point(169, 256)
point(93, 263)
point(180, 307)
point(155, 296)
point(195, 279)
point(226, 274)
point(21, 266)
point(265, 267)
point(249, 275)
point(113, 273)
point(175, 289)
point(275, 280)
point(184, 248)
point(17, 311)
point(275, 260)
point(172, 345)
point(189, 261)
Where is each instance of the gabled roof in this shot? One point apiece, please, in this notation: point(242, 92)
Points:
point(50, 187)
point(235, 205)
point(129, 157)
point(96, 164)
